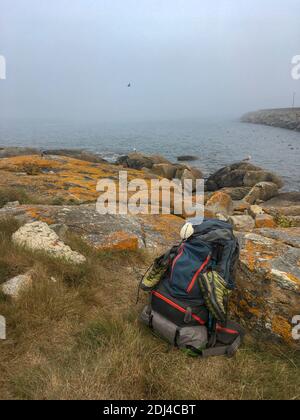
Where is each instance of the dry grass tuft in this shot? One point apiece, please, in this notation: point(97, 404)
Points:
point(75, 335)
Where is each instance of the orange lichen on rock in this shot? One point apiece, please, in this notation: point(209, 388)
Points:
point(264, 221)
point(167, 225)
point(220, 202)
point(282, 328)
point(35, 214)
point(254, 251)
point(120, 241)
point(69, 179)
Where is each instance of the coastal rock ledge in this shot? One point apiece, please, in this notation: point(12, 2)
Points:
point(288, 118)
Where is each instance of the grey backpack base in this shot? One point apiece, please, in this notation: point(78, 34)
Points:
point(195, 339)
point(181, 337)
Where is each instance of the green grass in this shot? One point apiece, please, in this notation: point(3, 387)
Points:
point(75, 334)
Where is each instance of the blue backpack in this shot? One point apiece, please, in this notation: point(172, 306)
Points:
point(177, 296)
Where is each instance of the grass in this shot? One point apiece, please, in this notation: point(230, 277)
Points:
point(75, 334)
point(11, 194)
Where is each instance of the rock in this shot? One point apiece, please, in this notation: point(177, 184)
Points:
point(196, 173)
point(72, 180)
point(12, 204)
point(220, 203)
point(241, 207)
point(237, 193)
point(164, 170)
point(252, 178)
point(288, 236)
point(188, 175)
point(287, 204)
point(287, 199)
point(242, 223)
point(61, 230)
point(264, 221)
point(262, 191)
point(182, 172)
point(242, 174)
point(8, 152)
point(187, 158)
point(268, 284)
point(255, 210)
point(294, 220)
point(120, 241)
point(288, 118)
point(221, 217)
point(140, 160)
point(38, 236)
point(16, 285)
point(76, 154)
point(105, 231)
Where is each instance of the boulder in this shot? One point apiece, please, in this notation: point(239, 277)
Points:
point(16, 285)
point(76, 154)
point(252, 178)
point(139, 160)
point(180, 170)
point(242, 223)
point(255, 210)
point(196, 173)
point(288, 236)
point(262, 191)
point(61, 230)
point(187, 158)
point(220, 203)
point(242, 174)
point(287, 204)
point(164, 170)
point(38, 236)
point(268, 283)
point(104, 231)
point(240, 207)
point(237, 193)
point(264, 221)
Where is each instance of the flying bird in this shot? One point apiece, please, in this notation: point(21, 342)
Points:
point(129, 85)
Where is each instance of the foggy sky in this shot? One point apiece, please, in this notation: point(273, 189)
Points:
point(73, 59)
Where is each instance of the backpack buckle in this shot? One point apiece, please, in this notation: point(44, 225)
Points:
point(188, 315)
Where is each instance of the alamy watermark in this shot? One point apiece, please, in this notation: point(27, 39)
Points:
point(2, 67)
point(2, 328)
point(155, 196)
point(296, 67)
point(296, 327)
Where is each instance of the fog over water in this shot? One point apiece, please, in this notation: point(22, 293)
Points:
point(169, 77)
point(73, 59)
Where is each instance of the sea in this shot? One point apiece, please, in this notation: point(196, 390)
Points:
point(214, 143)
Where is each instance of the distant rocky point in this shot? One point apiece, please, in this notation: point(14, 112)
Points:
point(288, 118)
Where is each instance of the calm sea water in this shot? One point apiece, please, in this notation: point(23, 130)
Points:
point(215, 143)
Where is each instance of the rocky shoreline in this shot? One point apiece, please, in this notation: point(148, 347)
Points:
point(59, 195)
point(288, 118)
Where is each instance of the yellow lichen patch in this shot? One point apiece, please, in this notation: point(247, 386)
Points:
point(67, 178)
point(120, 241)
point(293, 278)
point(167, 225)
point(254, 251)
point(282, 328)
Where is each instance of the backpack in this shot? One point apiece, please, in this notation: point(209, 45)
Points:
point(177, 301)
